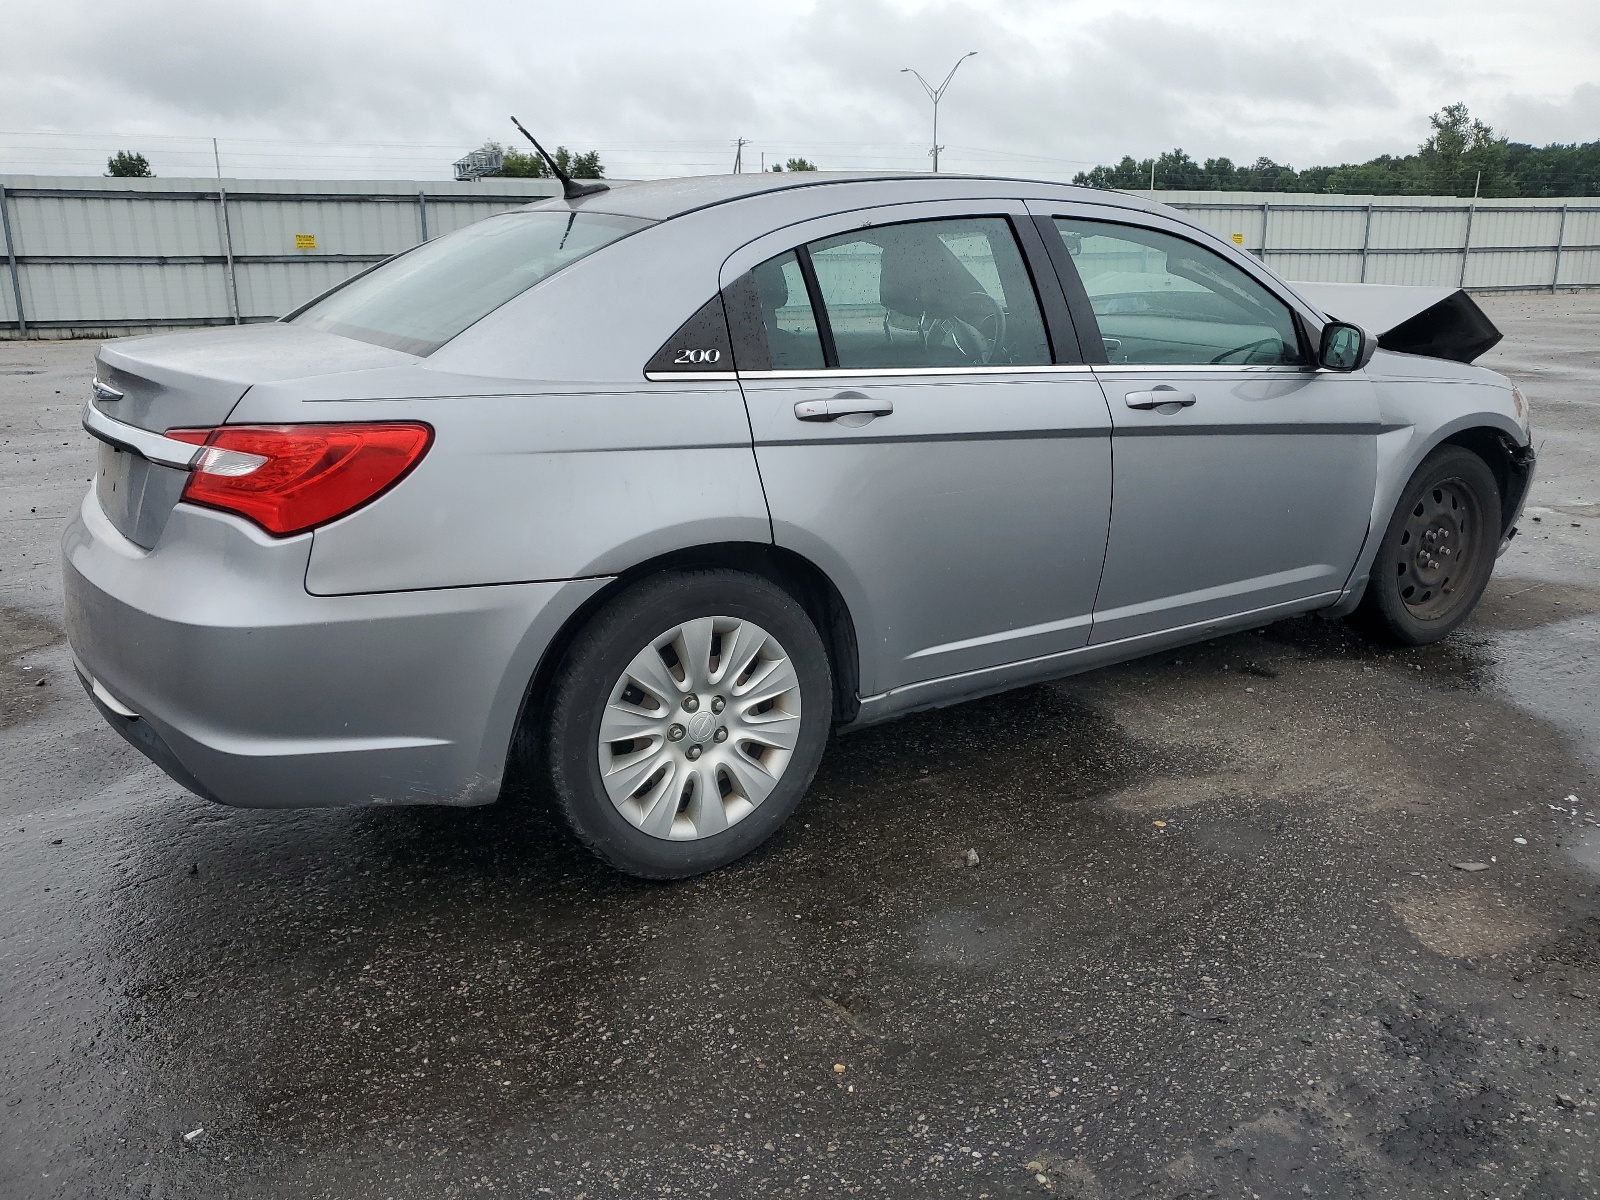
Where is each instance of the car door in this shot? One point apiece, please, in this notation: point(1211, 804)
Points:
point(919, 436)
point(1244, 475)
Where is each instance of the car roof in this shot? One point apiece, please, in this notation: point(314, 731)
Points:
point(663, 199)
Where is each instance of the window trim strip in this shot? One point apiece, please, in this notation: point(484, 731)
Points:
point(921, 372)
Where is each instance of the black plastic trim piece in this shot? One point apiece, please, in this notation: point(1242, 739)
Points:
point(819, 310)
point(141, 735)
point(1066, 347)
point(1247, 430)
point(985, 435)
point(1086, 326)
point(705, 333)
point(1455, 328)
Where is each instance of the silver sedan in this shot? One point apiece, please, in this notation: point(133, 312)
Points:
point(653, 487)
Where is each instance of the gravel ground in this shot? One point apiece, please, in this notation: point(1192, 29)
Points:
point(1214, 944)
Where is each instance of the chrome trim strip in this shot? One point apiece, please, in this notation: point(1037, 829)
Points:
point(1180, 369)
point(691, 376)
point(920, 372)
point(110, 701)
point(104, 391)
point(168, 452)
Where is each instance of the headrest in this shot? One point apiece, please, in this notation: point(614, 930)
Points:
point(920, 275)
point(772, 288)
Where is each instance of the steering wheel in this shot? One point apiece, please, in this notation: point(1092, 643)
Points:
point(1248, 348)
point(968, 338)
point(995, 319)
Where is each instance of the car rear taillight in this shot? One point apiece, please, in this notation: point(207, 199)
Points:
point(291, 478)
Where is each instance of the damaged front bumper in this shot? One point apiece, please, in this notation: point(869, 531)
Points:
point(1520, 483)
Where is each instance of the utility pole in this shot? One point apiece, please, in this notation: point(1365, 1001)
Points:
point(226, 231)
point(936, 94)
point(738, 155)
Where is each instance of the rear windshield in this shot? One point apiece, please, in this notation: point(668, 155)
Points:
point(420, 300)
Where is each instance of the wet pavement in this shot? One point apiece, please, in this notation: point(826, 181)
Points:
point(1214, 944)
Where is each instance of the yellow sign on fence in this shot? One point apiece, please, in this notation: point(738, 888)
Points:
point(1238, 240)
point(308, 241)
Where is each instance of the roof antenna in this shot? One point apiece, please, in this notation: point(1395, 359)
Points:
point(569, 189)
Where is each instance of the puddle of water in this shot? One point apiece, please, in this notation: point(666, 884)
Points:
point(1583, 848)
point(1553, 672)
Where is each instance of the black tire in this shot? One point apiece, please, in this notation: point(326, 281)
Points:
point(595, 663)
point(1419, 589)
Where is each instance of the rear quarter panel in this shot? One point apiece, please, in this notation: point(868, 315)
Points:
point(553, 456)
point(561, 483)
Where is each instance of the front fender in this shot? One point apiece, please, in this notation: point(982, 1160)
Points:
point(1400, 452)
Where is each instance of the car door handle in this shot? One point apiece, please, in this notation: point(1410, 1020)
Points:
point(1159, 397)
point(845, 404)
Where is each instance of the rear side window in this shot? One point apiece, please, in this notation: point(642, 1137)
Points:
point(793, 339)
point(1162, 300)
point(930, 294)
point(420, 300)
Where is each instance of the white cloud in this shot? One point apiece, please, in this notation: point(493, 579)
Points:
point(401, 88)
point(1572, 118)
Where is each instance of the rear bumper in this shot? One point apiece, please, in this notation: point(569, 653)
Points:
point(250, 691)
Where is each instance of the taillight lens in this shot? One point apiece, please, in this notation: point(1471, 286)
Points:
point(291, 478)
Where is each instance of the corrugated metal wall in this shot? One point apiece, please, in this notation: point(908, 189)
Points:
point(107, 256)
point(90, 256)
point(1482, 245)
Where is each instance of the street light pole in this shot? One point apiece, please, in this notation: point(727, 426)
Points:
point(936, 94)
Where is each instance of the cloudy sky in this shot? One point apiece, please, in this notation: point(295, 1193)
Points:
point(400, 88)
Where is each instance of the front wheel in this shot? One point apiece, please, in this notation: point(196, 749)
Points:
point(687, 721)
point(1438, 552)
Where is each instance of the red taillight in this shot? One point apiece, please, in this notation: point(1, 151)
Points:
point(291, 478)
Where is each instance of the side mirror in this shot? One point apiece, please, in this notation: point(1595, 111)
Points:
point(1345, 347)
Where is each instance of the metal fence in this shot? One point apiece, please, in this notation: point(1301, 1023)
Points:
point(1481, 245)
point(103, 257)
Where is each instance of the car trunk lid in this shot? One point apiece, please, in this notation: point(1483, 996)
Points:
point(194, 380)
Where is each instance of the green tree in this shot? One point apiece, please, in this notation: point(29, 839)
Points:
point(794, 164)
point(123, 165)
point(1462, 154)
point(517, 164)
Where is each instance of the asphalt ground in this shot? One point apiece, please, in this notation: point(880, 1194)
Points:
point(1214, 944)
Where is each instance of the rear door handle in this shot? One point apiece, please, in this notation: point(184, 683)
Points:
point(845, 404)
point(1160, 396)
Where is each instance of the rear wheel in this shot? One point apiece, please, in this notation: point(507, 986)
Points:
point(687, 721)
point(1438, 552)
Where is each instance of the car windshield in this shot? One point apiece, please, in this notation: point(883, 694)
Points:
point(420, 300)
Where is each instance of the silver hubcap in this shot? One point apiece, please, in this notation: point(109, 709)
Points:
point(699, 728)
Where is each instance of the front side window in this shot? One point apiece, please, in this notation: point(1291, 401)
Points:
point(1162, 300)
point(420, 300)
point(949, 293)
